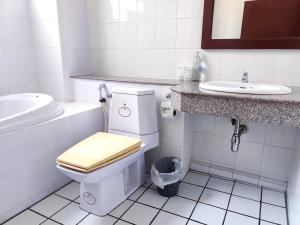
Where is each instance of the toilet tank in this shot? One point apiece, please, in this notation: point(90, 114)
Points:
point(133, 111)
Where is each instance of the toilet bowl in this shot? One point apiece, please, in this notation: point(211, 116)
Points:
point(110, 166)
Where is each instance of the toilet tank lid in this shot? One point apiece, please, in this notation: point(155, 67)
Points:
point(133, 91)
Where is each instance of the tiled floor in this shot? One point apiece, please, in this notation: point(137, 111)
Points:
point(202, 199)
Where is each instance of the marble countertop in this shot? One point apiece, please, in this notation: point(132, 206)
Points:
point(277, 109)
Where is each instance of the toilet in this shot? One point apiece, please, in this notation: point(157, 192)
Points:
point(110, 166)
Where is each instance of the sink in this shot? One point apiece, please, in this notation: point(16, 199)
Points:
point(245, 88)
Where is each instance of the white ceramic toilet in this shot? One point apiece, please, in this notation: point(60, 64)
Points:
point(133, 130)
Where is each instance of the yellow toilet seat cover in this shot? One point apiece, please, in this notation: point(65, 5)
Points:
point(98, 150)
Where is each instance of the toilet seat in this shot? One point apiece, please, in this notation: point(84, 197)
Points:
point(97, 151)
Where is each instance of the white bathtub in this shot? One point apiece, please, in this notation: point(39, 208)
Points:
point(22, 110)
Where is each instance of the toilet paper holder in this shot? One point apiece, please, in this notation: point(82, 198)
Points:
point(164, 109)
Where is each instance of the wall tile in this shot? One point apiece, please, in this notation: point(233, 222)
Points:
point(203, 124)
point(281, 136)
point(46, 33)
point(129, 36)
point(166, 9)
point(128, 10)
point(43, 10)
point(276, 162)
point(104, 11)
point(222, 154)
point(249, 157)
point(188, 33)
point(190, 8)
point(202, 146)
point(262, 67)
point(166, 34)
point(146, 9)
point(233, 65)
point(146, 35)
point(112, 38)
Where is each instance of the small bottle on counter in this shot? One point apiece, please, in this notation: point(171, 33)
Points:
point(196, 69)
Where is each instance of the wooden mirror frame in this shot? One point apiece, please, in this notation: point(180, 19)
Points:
point(209, 43)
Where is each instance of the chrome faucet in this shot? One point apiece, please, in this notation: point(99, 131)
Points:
point(245, 77)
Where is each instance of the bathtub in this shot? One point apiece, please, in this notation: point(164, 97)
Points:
point(23, 110)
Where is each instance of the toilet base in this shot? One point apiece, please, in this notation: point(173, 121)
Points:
point(102, 197)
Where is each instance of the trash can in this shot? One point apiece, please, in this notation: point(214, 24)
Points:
point(166, 175)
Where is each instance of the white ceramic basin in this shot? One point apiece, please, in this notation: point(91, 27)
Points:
point(245, 88)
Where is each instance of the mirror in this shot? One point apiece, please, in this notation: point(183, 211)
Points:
point(270, 24)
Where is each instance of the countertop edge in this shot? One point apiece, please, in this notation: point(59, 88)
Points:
point(139, 80)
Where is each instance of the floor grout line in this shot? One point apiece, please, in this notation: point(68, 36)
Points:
point(160, 209)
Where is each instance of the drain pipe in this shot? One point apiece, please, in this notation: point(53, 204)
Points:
point(239, 129)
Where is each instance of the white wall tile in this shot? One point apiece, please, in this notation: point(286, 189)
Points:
point(222, 154)
point(146, 9)
point(166, 34)
point(166, 9)
point(112, 38)
point(43, 10)
point(281, 136)
point(203, 147)
point(203, 124)
point(146, 35)
point(104, 11)
point(14, 9)
point(188, 33)
point(249, 157)
point(128, 10)
point(46, 33)
point(262, 67)
point(190, 8)
point(48, 61)
point(129, 36)
point(276, 162)
point(233, 64)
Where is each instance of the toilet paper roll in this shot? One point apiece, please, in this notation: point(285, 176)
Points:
point(167, 110)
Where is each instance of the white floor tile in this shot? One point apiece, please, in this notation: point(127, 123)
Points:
point(244, 206)
point(193, 223)
point(180, 206)
point(119, 210)
point(71, 191)
point(50, 222)
point(220, 184)
point(215, 198)
point(97, 220)
point(208, 214)
point(195, 178)
point(50, 205)
point(153, 198)
point(140, 214)
point(148, 182)
point(237, 219)
point(137, 194)
point(189, 191)
point(164, 218)
point(26, 218)
point(70, 215)
point(265, 223)
point(247, 191)
point(273, 214)
point(77, 200)
point(273, 197)
point(120, 222)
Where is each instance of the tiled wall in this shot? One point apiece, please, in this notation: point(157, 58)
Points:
point(152, 37)
point(265, 151)
point(17, 69)
point(293, 191)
